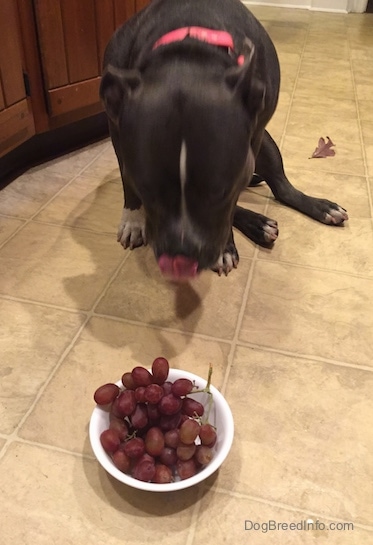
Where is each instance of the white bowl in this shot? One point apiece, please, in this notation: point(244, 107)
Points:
point(220, 417)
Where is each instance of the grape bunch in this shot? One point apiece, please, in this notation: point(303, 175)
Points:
point(156, 433)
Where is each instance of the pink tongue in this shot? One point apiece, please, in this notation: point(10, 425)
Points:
point(178, 267)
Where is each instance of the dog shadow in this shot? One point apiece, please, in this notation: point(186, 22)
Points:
point(184, 301)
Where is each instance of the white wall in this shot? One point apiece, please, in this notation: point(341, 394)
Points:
point(341, 6)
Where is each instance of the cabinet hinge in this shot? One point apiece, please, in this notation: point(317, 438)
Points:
point(26, 81)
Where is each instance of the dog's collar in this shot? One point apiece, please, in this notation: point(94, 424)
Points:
point(220, 38)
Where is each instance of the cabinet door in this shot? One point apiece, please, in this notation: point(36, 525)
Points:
point(73, 35)
point(16, 119)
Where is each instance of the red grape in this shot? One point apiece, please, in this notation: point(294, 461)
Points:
point(162, 475)
point(127, 381)
point(139, 417)
point(153, 413)
point(153, 393)
point(191, 407)
point(182, 387)
point(185, 452)
point(204, 454)
point(168, 456)
point(141, 376)
point(154, 441)
point(140, 394)
point(169, 404)
point(110, 440)
point(169, 422)
point(144, 471)
point(135, 447)
point(207, 434)
point(189, 431)
point(186, 469)
point(160, 368)
point(172, 438)
point(106, 394)
point(126, 403)
point(167, 387)
point(121, 461)
point(120, 426)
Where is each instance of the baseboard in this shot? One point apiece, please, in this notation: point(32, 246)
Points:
point(333, 6)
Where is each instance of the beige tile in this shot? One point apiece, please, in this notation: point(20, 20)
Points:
point(104, 351)
point(240, 519)
point(71, 164)
point(7, 227)
point(104, 166)
point(25, 195)
point(297, 150)
point(32, 339)
point(307, 242)
point(277, 124)
point(361, 40)
point(326, 46)
point(363, 75)
point(308, 121)
point(319, 78)
point(307, 311)
point(2, 443)
point(67, 500)
point(89, 203)
point(209, 305)
point(302, 434)
point(57, 265)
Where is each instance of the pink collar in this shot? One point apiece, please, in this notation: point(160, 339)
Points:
point(215, 37)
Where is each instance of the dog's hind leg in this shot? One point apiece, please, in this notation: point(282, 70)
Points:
point(269, 167)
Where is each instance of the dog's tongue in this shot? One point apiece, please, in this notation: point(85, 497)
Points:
point(178, 267)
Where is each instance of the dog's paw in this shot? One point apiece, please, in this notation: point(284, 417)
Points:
point(256, 227)
point(227, 261)
point(335, 216)
point(270, 230)
point(131, 230)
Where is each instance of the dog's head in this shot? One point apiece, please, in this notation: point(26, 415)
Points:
point(185, 136)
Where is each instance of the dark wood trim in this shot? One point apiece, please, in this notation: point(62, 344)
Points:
point(48, 145)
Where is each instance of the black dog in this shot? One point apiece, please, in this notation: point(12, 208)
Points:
point(189, 87)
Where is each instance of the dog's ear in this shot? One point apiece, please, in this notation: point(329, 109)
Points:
point(244, 82)
point(116, 87)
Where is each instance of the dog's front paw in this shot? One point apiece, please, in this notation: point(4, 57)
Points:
point(131, 230)
point(227, 261)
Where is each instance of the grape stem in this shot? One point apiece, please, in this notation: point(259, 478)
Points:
point(207, 391)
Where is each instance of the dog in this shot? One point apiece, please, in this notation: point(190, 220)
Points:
point(189, 87)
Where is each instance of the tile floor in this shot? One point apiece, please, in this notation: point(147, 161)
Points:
point(289, 333)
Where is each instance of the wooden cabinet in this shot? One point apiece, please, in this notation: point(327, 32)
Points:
point(72, 37)
point(51, 54)
point(16, 116)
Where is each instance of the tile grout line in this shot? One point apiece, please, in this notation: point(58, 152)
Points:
point(308, 357)
point(361, 135)
point(43, 206)
point(281, 143)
